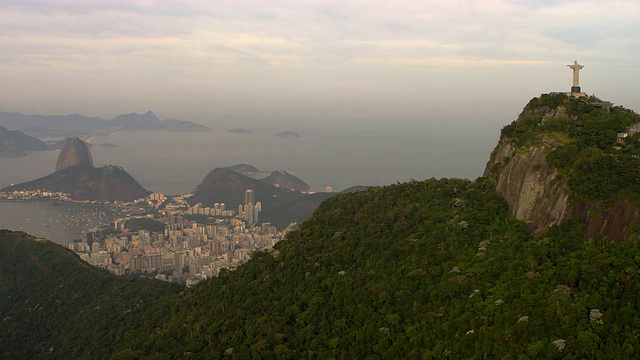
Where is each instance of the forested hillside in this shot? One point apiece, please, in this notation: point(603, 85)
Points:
point(420, 270)
point(55, 306)
point(431, 269)
point(434, 269)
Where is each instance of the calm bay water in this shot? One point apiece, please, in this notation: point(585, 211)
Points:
point(59, 223)
point(174, 163)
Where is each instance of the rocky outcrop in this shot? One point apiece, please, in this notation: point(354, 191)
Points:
point(539, 194)
point(534, 190)
point(74, 152)
point(613, 221)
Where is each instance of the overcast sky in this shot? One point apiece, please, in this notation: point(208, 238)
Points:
point(312, 61)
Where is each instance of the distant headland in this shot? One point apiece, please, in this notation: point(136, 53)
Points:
point(287, 135)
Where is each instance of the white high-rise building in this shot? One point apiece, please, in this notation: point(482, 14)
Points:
point(249, 197)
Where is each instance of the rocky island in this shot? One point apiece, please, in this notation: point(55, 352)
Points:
point(287, 135)
point(241, 131)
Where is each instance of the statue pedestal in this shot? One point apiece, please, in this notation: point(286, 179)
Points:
point(575, 89)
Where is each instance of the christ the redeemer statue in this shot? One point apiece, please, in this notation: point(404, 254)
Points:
point(576, 76)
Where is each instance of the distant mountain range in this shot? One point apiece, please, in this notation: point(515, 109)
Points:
point(16, 143)
point(76, 124)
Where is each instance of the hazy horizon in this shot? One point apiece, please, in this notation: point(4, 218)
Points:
point(176, 162)
point(311, 63)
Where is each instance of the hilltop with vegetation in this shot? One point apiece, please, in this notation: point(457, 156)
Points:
point(245, 169)
point(434, 269)
point(571, 156)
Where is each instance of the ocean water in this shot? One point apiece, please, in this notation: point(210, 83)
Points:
point(60, 223)
point(340, 157)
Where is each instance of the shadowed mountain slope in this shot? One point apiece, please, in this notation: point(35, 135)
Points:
point(54, 305)
point(279, 206)
point(17, 143)
point(85, 182)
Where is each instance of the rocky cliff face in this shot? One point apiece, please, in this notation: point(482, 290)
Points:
point(539, 194)
point(534, 190)
point(74, 152)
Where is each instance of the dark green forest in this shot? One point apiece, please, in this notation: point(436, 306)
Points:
point(55, 306)
point(431, 269)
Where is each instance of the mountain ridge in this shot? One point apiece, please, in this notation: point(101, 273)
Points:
point(76, 124)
